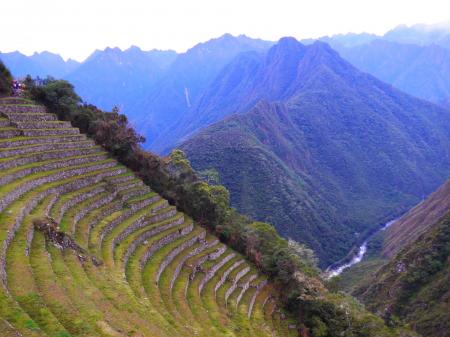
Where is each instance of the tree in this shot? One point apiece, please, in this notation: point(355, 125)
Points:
point(5, 80)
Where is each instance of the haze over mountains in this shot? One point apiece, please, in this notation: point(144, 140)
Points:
point(38, 64)
point(115, 77)
point(159, 88)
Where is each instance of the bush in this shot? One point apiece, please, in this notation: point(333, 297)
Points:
point(5, 80)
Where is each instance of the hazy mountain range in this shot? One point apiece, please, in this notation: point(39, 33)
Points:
point(38, 64)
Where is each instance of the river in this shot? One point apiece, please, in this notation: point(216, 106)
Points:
point(356, 258)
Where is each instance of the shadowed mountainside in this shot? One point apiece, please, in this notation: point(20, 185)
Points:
point(343, 153)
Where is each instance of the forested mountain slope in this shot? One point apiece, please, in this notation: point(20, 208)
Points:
point(341, 154)
point(184, 82)
point(413, 285)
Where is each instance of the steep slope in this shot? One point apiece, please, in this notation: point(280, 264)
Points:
point(414, 284)
point(360, 150)
point(89, 250)
point(184, 81)
point(422, 71)
point(39, 64)
point(114, 77)
point(417, 221)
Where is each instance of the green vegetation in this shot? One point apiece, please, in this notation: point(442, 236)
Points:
point(291, 267)
point(5, 80)
point(413, 286)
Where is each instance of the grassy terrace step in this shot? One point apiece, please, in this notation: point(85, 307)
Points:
point(134, 267)
point(9, 132)
point(10, 176)
point(15, 100)
point(19, 108)
point(24, 141)
point(159, 274)
point(27, 125)
point(69, 200)
point(38, 148)
point(184, 273)
point(22, 283)
point(23, 117)
point(12, 217)
point(4, 122)
point(35, 158)
point(49, 132)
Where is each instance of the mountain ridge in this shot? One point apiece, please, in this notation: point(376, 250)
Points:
point(358, 139)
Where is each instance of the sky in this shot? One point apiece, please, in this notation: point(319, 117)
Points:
point(75, 28)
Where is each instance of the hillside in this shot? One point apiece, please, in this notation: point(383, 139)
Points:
point(89, 250)
point(184, 81)
point(417, 221)
point(361, 151)
point(414, 284)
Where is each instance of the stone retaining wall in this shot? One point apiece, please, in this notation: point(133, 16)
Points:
point(224, 277)
point(9, 133)
point(28, 117)
point(4, 124)
point(245, 287)
point(164, 241)
point(49, 132)
point(109, 227)
point(29, 185)
point(43, 140)
point(6, 108)
point(119, 180)
point(180, 265)
point(212, 272)
point(22, 125)
point(46, 147)
point(90, 207)
point(70, 186)
point(147, 235)
point(177, 250)
point(197, 266)
point(46, 167)
point(45, 156)
point(78, 199)
point(142, 222)
point(233, 287)
point(259, 287)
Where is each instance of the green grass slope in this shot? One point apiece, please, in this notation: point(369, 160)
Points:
point(88, 250)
